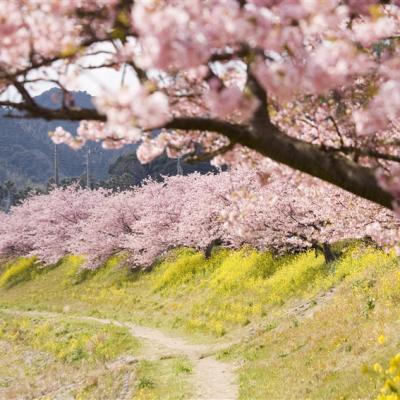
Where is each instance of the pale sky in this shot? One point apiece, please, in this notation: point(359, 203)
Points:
point(89, 81)
point(93, 81)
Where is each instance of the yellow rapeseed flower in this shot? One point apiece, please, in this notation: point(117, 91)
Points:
point(382, 339)
point(377, 368)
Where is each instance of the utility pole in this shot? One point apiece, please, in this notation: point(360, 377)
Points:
point(8, 201)
point(179, 169)
point(56, 174)
point(88, 184)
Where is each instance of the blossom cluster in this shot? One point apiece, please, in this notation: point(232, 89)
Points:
point(235, 207)
point(294, 48)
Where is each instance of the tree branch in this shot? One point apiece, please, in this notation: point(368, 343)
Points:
point(233, 131)
point(303, 156)
point(266, 139)
point(363, 153)
point(37, 111)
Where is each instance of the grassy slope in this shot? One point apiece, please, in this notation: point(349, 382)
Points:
point(39, 356)
point(302, 330)
point(53, 358)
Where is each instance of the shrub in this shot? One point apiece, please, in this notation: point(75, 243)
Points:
point(74, 273)
point(20, 270)
point(240, 265)
point(354, 261)
point(180, 269)
point(294, 276)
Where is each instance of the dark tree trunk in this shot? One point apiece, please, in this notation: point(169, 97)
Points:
point(328, 253)
point(326, 249)
point(208, 250)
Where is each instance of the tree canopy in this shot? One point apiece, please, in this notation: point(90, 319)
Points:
point(232, 209)
point(314, 85)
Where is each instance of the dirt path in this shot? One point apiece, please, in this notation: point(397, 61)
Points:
point(212, 379)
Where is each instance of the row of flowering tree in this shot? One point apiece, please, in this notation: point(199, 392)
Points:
point(233, 208)
point(311, 84)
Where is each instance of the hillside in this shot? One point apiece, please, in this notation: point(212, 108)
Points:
point(26, 151)
point(129, 165)
point(287, 328)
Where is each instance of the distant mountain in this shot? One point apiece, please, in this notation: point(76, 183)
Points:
point(26, 151)
point(129, 167)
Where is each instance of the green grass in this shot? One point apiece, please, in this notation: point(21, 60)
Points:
point(43, 354)
point(293, 340)
point(167, 380)
point(324, 354)
point(20, 270)
point(68, 340)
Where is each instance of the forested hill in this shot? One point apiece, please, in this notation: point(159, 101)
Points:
point(26, 151)
point(128, 166)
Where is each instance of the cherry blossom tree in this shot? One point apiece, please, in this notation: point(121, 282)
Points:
point(44, 224)
point(311, 84)
point(233, 208)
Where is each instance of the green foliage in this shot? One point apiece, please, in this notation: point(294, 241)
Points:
point(74, 273)
point(145, 383)
point(306, 274)
point(357, 259)
point(166, 379)
point(182, 365)
point(231, 289)
point(18, 271)
point(114, 273)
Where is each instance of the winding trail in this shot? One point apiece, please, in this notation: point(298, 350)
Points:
point(212, 379)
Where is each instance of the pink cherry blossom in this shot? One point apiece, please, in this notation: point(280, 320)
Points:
point(235, 207)
point(321, 78)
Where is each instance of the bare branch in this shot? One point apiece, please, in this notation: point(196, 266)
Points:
point(36, 111)
point(330, 118)
point(191, 159)
point(363, 152)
